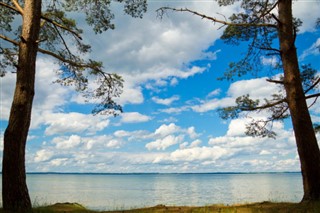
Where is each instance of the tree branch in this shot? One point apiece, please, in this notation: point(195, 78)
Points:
point(60, 58)
point(9, 40)
point(275, 81)
point(44, 18)
point(313, 86)
point(313, 96)
point(163, 9)
point(9, 7)
point(61, 26)
point(271, 8)
point(63, 41)
point(265, 106)
point(19, 8)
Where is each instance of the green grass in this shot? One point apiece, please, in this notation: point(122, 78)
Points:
point(264, 207)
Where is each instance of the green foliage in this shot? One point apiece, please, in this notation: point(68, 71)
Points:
point(252, 26)
point(98, 13)
point(308, 76)
point(59, 33)
point(243, 103)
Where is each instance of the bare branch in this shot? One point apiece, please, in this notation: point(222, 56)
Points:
point(271, 8)
point(9, 40)
point(269, 49)
point(275, 81)
point(163, 9)
point(313, 96)
point(63, 41)
point(313, 86)
point(266, 106)
point(10, 7)
point(275, 17)
point(72, 63)
point(19, 8)
point(61, 26)
point(315, 100)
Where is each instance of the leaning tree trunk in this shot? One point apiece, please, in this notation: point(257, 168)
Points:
point(15, 194)
point(307, 145)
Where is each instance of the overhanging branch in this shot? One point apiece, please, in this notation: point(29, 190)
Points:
point(60, 58)
point(19, 8)
point(9, 40)
point(266, 106)
point(20, 11)
point(275, 81)
point(162, 10)
point(313, 86)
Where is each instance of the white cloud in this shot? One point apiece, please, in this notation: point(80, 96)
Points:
point(157, 50)
point(214, 93)
point(213, 104)
point(175, 110)
point(59, 162)
point(43, 155)
point(308, 12)
point(192, 133)
point(7, 84)
point(162, 144)
point(59, 123)
point(67, 142)
point(256, 88)
point(114, 143)
point(199, 154)
point(165, 101)
point(195, 143)
point(121, 133)
point(313, 50)
point(265, 152)
point(269, 61)
point(134, 117)
point(165, 130)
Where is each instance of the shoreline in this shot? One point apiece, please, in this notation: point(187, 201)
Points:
point(263, 207)
point(158, 173)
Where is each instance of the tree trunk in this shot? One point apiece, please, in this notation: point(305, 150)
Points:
point(15, 196)
point(307, 145)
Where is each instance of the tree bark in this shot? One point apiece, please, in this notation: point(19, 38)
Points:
point(306, 141)
point(15, 195)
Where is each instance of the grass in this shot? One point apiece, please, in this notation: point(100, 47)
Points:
point(264, 207)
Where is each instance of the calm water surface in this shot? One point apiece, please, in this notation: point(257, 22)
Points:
point(106, 191)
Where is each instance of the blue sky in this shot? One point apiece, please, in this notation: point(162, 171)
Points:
point(171, 94)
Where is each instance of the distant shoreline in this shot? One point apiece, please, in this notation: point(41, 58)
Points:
point(157, 173)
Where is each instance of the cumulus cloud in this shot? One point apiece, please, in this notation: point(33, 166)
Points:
point(134, 117)
point(158, 51)
point(164, 143)
point(313, 50)
point(165, 101)
point(59, 123)
point(307, 12)
point(269, 61)
point(214, 93)
point(155, 56)
point(67, 142)
point(43, 155)
point(165, 130)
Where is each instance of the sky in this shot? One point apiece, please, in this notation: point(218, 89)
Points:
point(170, 100)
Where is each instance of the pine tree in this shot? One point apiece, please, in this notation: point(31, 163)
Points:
point(46, 29)
point(262, 24)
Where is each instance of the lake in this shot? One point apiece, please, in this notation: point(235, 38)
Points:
point(125, 191)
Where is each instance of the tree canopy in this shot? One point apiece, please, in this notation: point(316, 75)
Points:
point(269, 29)
point(61, 38)
point(48, 28)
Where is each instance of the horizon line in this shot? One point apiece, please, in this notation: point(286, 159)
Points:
point(160, 173)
